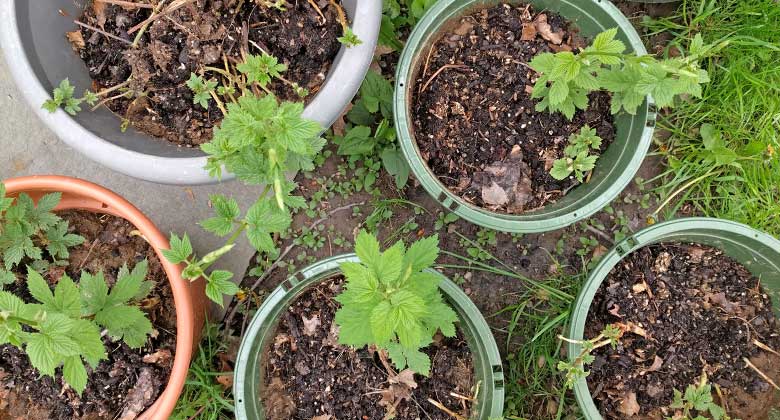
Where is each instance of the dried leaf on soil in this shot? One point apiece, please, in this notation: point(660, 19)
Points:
point(140, 396)
point(529, 32)
point(160, 357)
point(629, 406)
point(76, 40)
point(310, 325)
point(545, 30)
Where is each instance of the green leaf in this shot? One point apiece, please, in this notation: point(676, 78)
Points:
point(66, 298)
point(561, 169)
point(423, 253)
point(264, 219)
point(261, 69)
point(418, 361)
point(349, 39)
point(43, 357)
point(362, 285)
point(39, 288)
point(6, 278)
point(559, 92)
point(357, 141)
point(94, 293)
point(367, 250)
point(59, 240)
point(128, 285)
point(376, 93)
point(86, 335)
point(382, 323)
point(227, 212)
point(219, 284)
point(74, 373)
point(395, 164)
point(180, 251)
point(543, 63)
point(390, 264)
point(352, 326)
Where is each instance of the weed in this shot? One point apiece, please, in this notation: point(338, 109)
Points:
point(577, 158)
point(697, 398)
point(575, 370)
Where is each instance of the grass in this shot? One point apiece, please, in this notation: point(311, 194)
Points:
point(534, 387)
point(742, 102)
point(203, 397)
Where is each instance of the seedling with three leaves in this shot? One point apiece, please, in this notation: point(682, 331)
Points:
point(698, 399)
point(577, 158)
point(575, 370)
point(391, 300)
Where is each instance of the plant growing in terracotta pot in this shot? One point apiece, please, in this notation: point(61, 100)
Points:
point(92, 321)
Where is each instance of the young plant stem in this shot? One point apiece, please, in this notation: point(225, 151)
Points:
point(115, 87)
point(220, 105)
point(342, 16)
point(109, 99)
point(102, 32)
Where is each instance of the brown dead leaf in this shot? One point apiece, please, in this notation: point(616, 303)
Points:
point(160, 357)
point(225, 380)
point(464, 28)
point(629, 406)
point(633, 328)
point(696, 254)
point(494, 195)
point(76, 40)
point(529, 89)
point(657, 363)
point(599, 251)
point(615, 311)
point(322, 417)
point(310, 325)
point(545, 30)
point(529, 32)
point(140, 395)
point(404, 377)
point(99, 8)
point(277, 401)
point(639, 287)
point(382, 50)
point(720, 300)
point(662, 262)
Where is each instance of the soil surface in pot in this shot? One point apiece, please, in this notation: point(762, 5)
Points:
point(689, 309)
point(200, 34)
point(127, 382)
point(475, 122)
point(310, 376)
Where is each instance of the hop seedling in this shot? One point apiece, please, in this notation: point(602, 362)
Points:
point(391, 301)
point(567, 78)
point(698, 399)
point(202, 89)
point(349, 38)
point(63, 97)
point(577, 158)
point(261, 69)
point(574, 371)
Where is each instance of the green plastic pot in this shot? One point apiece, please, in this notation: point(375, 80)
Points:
point(757, 251)
point(616, 167)
point(249, 373)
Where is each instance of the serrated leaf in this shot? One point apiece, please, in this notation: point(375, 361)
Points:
point(367, 250)
point(74, 373)
point(418, 361)
point(180, 250)
point(128, 284)
point(558, 92)
point(39, 288)
point(423, 253)
point(66, 298)
point(219, 285)
point(40, 351)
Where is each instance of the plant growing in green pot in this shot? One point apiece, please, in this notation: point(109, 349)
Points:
point(372, 321)
point(545, 126)
point(672, 298)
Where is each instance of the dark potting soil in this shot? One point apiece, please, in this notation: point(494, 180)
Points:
point(127, 382)
point(199, 34)
point(310, 376)
point(692, 309)
point(475, 122)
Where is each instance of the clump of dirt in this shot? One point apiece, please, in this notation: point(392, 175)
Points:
point(475, 122)
point(129, 380)
point(196, 35)
point(691, 310)
point(308, 375)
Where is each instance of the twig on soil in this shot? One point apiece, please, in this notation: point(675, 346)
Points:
point(107, 100)
point(317, 8)
point(765, 347)
point(600, 233)
point(89, 252)
point(229, 318)
point(175, 5)
point(760, 373)
point(462, 397)
point(102, 32)
point(449, 412)
point(441, 69)
point(124, 3)
point(342, 15)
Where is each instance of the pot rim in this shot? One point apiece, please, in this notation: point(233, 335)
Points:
point(84, 195)
point(484, 353)
point(661, 232)
point(342, 83)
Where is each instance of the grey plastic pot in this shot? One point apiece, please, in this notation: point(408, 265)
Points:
point(249, 373)
point(32, 36)
point(616, 167)
point(757, 251)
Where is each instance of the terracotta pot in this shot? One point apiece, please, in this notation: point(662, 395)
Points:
point(189, 298)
